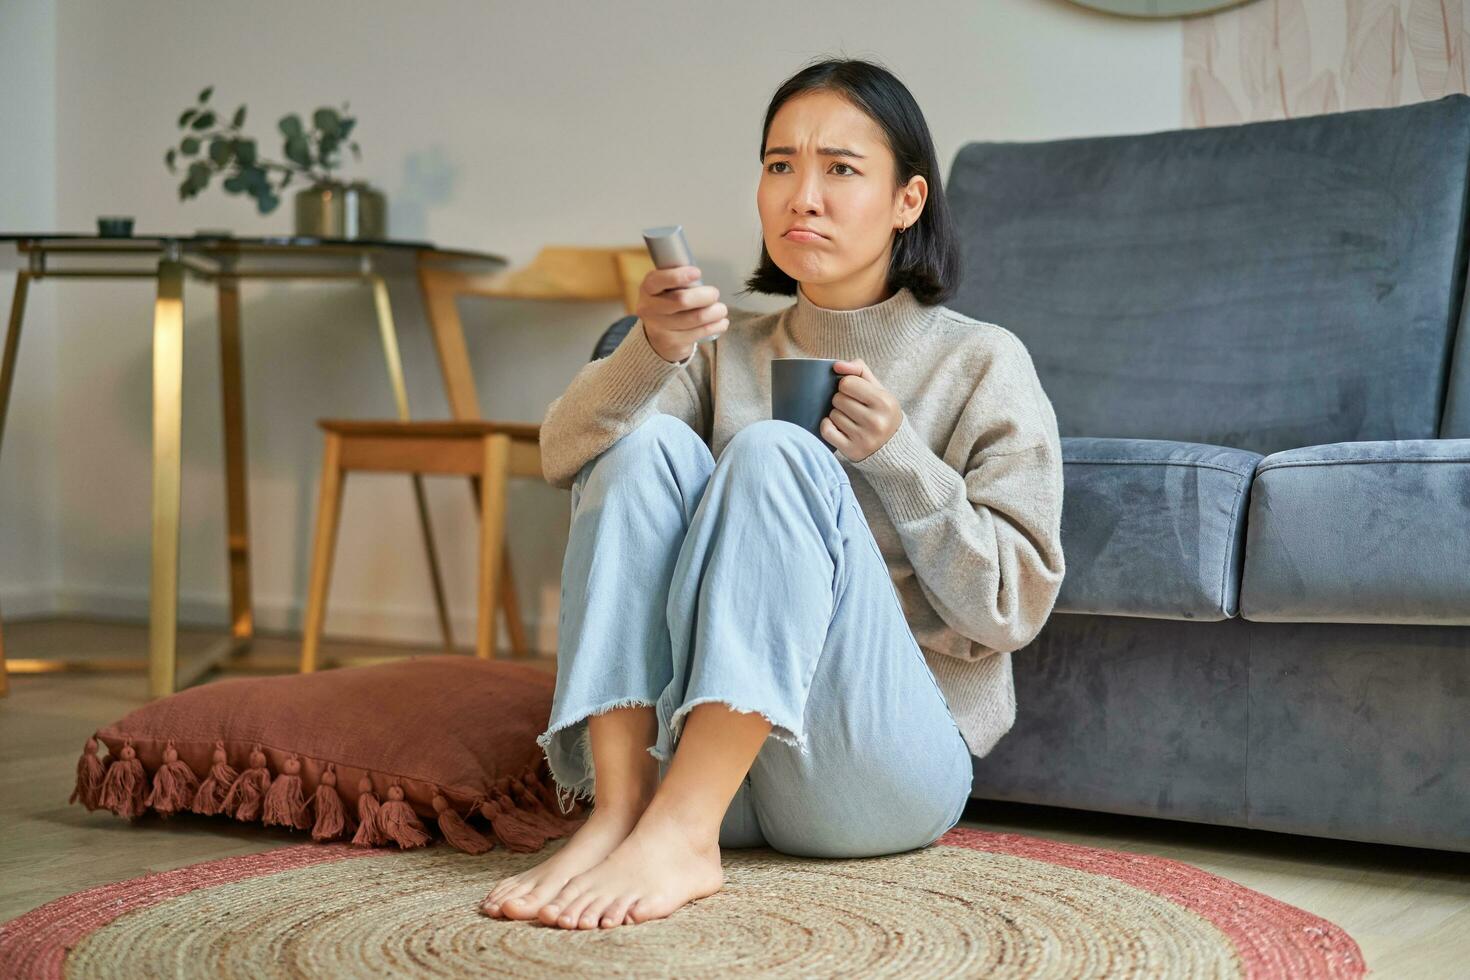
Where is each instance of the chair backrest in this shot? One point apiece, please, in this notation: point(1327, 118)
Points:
point(613, 336)
point(1262, 286)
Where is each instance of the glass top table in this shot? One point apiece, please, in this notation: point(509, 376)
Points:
point(224, 261)
point(52, 253)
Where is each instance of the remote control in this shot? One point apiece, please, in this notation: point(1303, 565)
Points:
point(669, 249)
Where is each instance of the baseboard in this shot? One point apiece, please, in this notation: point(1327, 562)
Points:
point(378, 622)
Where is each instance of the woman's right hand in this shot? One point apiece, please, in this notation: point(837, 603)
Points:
point(675, 314)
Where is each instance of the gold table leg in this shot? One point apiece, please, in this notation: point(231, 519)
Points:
point(7, 377)
point(400, 397)
point(168, 371)
point(237, 510)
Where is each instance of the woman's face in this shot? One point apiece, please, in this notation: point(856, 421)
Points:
point(847, 197)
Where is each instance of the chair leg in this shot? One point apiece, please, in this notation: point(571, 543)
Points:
point(513, 622)
point(492, 538)
point(329, 508)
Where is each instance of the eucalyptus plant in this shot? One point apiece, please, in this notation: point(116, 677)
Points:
point(210, 147)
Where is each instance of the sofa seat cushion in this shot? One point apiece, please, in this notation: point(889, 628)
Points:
point(1153, 527)
point(1361, 532)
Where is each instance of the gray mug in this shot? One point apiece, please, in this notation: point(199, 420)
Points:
point(802, 390)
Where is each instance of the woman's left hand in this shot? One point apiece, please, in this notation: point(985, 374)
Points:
point(864, 413)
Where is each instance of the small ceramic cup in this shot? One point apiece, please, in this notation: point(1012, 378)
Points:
point(802, 390)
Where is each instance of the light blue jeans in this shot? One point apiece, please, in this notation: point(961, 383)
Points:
point(754, 582)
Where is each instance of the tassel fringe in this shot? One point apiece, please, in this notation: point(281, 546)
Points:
point(331, 816)
point(89, 777)
point(397, 820)
point(284, 804)
point(520, 811)
point(210, 797)
point(125, 784)
point(458, 833)
point(368, 834)
point(174, 785)
point(243, 802)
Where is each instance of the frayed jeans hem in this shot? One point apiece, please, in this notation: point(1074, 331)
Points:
point(570, 763)
point(669, 736)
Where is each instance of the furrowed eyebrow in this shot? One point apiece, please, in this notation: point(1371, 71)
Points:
point(826, 151)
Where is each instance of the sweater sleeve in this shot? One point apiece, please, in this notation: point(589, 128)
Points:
point(983, 534)
point(610, 397)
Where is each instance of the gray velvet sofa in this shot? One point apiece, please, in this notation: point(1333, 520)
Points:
point(1256, 343)
point(1249, 334)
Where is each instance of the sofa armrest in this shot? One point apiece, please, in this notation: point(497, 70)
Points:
point(1152, 527)
point(1360, 532)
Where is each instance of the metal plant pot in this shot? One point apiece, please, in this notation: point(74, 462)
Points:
point(332, 209)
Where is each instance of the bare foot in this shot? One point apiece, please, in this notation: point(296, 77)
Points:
point(520, 896)
point(660, 867)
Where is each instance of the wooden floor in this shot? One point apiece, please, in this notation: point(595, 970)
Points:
point(1408, 909)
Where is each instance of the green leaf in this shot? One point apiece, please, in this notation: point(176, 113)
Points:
point(204, 95)
point(234, 184)
point(220, 151)
point(266, 203)
point(287, 180)
point(239, 119)
point(188, 114)
point(245, 152)
point(291, 125)
point(205, 120)
point(199, 174)
point(356, 152)
point(168, 157)
point(190, 145)
point(184, 192)
point(345, 129)
point(254, 179)
point(298, 150)
point(326, 120)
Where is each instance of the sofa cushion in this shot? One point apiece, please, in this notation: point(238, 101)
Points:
point(1360, 532)
point(1152, 527)
point(1266, 285)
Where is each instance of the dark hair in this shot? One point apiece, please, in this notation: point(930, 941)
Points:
point(926, 257)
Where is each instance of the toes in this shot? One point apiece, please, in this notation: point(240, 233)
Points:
point(644, 909)
point(551, 912)
point(491, 906)
point(571, 915)
point(503, 887)
point(525, 906)
point(591, 916)
point(616, 912)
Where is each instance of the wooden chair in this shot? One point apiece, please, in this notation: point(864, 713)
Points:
point(487, 452)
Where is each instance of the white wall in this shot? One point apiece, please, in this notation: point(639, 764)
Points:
point(30, 521)
point(500, 127)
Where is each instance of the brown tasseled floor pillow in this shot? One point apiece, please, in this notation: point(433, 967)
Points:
point(375, 755)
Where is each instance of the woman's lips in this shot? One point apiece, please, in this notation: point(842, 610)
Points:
point(803, 236)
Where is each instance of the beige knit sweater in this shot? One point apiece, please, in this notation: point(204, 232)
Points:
point(964, 500)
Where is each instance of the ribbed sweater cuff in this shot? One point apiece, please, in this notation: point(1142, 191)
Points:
point(909, 477)
point(635, 372)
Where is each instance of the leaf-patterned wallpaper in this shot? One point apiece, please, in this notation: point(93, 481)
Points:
point(1278, 59)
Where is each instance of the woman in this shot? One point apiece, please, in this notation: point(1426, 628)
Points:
point(793, 647)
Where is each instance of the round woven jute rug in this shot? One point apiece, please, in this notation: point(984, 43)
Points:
point(974, 904)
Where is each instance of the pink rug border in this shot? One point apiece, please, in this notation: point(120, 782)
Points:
point(1275, 941)
point(34, 945)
